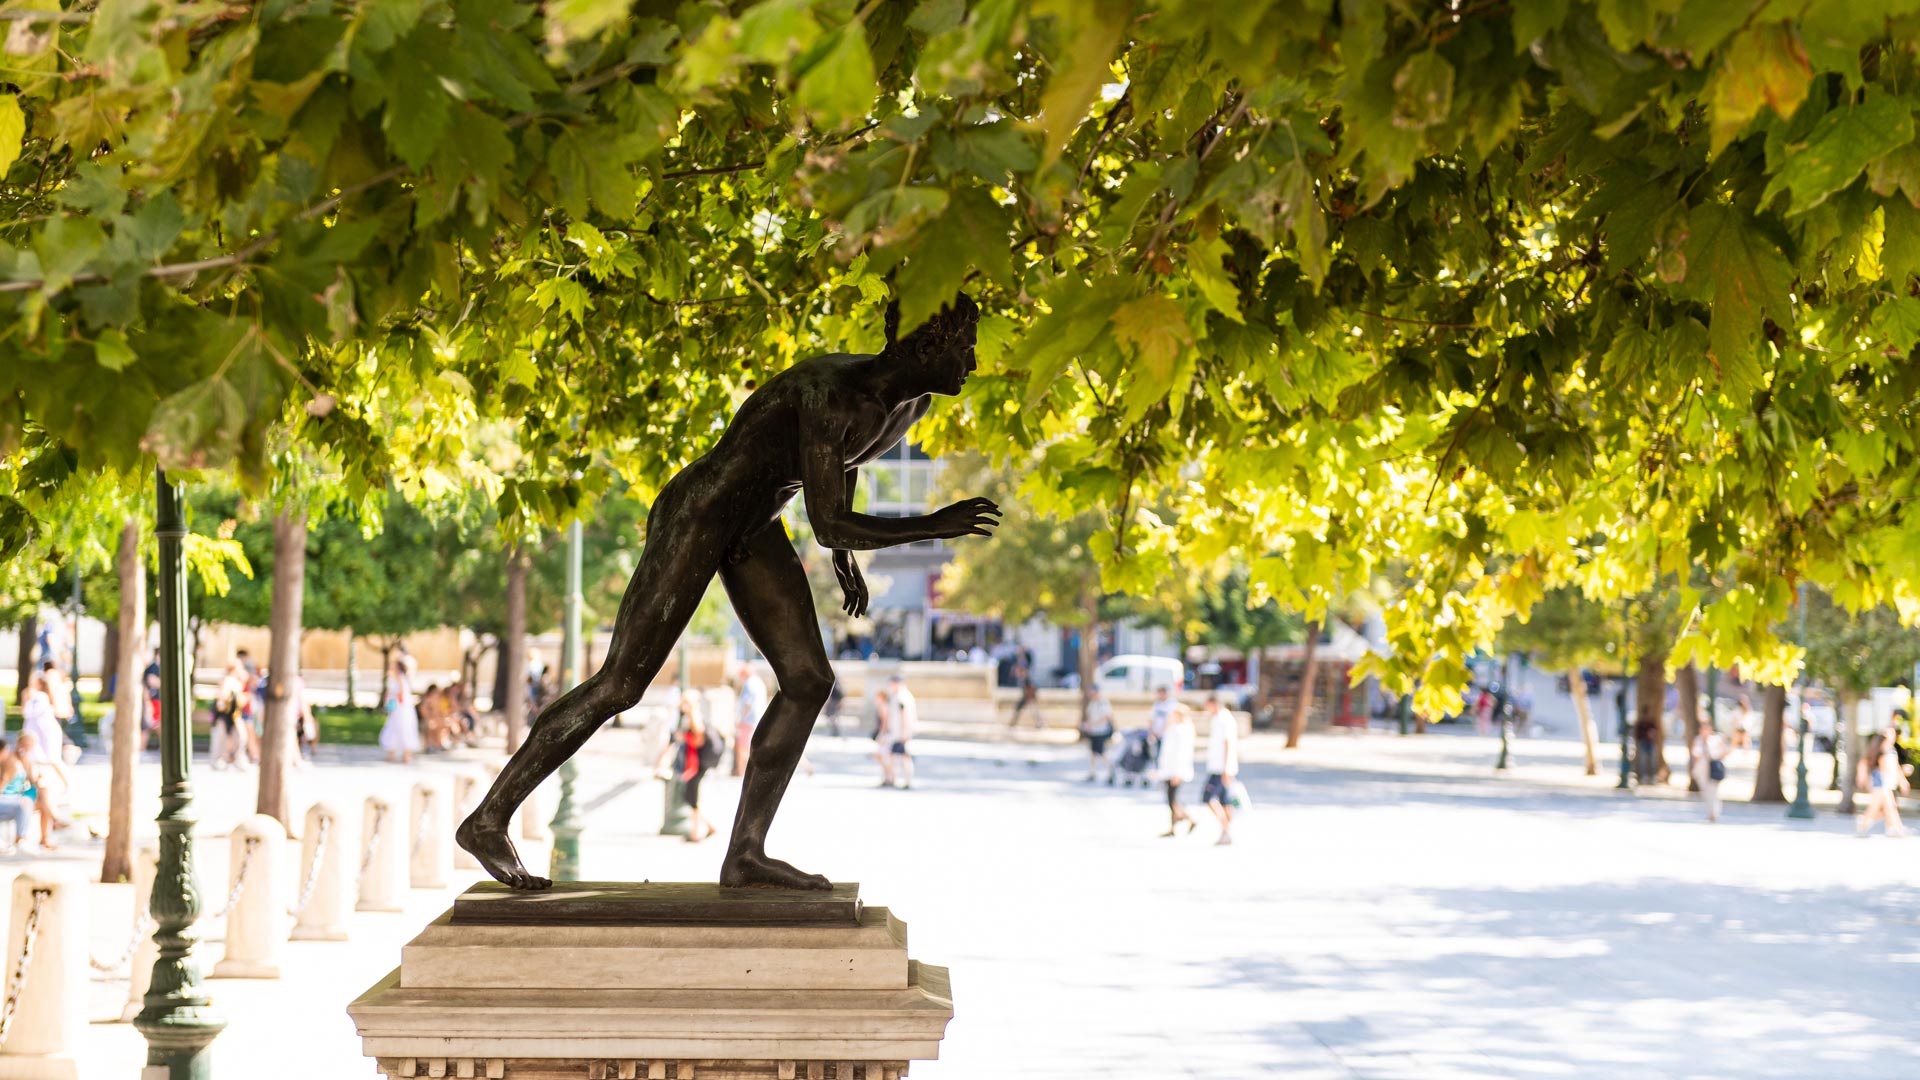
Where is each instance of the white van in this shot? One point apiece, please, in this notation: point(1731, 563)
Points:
point(1139, 673)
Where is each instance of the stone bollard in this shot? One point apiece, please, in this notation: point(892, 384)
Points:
point(383, 859)
point(48, 925)
point(430, 853)
point(320, 904)
point(257, 907)
point(146, 863)
point(468, 786)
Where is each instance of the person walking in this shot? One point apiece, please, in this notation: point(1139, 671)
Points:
point(1029, 696)
point(38, 717)
point(1174, 766)
point(1223, 765)
point(883, 732)
point(1096, 726)
point(693, 751)
point(753, 704)
point(906, 717)
point(400, 735)
point(1709, 765)
point(1884, 781)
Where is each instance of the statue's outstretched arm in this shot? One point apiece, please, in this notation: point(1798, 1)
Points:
point(823, 478)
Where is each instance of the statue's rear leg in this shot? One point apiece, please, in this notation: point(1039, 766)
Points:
point(675, 567)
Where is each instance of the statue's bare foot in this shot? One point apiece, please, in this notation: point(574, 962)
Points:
point(753, 870)
point(491, 846)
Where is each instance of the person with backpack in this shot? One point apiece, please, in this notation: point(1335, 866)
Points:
point(693, 750)
point(1709, 765)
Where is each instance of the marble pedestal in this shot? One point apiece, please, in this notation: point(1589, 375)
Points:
point(604, 981)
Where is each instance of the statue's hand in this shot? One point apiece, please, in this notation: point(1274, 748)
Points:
point(852, 586)
point(969, 517)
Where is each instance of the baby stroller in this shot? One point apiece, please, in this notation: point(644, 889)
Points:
point(1136, 757)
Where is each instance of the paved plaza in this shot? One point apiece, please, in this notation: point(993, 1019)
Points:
point(1391, 908)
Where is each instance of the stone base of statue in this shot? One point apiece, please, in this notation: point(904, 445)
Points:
point(623, 981)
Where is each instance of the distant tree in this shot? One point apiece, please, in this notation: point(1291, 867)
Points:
point(1034, 565)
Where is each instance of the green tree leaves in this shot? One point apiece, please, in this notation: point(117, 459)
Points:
point(1734, 267)
point(1838, 148)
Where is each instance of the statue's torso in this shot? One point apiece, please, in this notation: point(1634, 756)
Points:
point(756, 468)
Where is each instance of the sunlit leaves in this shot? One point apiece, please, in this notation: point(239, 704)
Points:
point(1764, 67)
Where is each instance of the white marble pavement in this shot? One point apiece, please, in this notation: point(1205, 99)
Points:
point(1391, 909)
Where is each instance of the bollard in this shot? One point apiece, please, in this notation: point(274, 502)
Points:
point(430, 854)
point(46, 982)
point(146, 862)
point(383, 859)
point(320, 905)
point(256, 909)
point(467, 789)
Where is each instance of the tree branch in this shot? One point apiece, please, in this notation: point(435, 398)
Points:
point(233, 258)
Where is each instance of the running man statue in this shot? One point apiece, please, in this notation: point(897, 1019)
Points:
point(808, 429)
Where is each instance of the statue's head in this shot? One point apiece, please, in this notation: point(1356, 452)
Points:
point(940, 349)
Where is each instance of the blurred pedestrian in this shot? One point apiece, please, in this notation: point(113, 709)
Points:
point(692, 751)
point(22, 795)
point(1096, 726)
point(1174, 766)
point(906, 715)
point(400, 735)
point(753, 705)
point(883, 732)
point(1884, 781)
point(16, 800)
point(1223, 765)
point(1709, 765)
point(306, 728)
point(226, 740)
point(60, 694)
point(1029, 695)
point(37, 715)
point(1483, 712)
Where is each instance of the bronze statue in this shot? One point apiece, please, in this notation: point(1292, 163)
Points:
point(808, 429)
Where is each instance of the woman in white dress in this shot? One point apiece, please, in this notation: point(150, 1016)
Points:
point(1174, 765)
point(400, 736)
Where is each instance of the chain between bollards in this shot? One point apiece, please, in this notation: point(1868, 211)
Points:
point(240, 879)
point(313, 871)
point(17, 981)
point(140, 929)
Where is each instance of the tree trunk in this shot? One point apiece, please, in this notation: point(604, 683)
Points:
point(352, 691)
point(29, 630)
point(1650, 699)
point(1687, 682)
point(129, 704)
point(1088, 657)
point(513, 652)
point(1846, 744)
point(1577, 686)
point(283, 662)
point(1304, 702)
point(1773, 723)
point(109, 662)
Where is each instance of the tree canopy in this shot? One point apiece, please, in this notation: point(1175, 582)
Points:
point(1487, 297)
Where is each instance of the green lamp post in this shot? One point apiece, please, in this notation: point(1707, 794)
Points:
point(566, 817)
point(1802, 808)
point(674, 818)
point(177, 1019)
